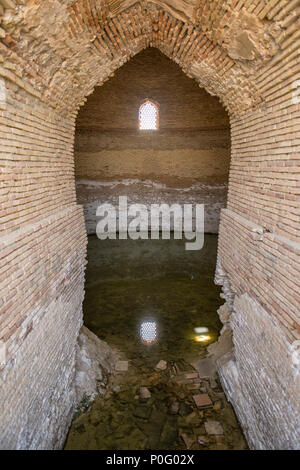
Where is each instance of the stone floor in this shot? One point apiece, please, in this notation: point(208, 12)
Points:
point(156, 305)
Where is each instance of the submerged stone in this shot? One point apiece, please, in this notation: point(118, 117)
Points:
point(202, 400)
point(213, 427)
point(145, 393)
point(206, 368)
point(169, 434)
point(142, 412)
point(188, 439)
point(121, 366)
point(162, 365)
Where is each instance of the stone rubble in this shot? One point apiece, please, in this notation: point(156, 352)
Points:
point(95, 362)
point(145, 393)
point(121, 366)
point(213, 427)
point(160, 414)
point(202, 400)
point(162, 365)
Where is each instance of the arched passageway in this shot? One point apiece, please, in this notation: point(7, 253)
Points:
point(149, 297)
point(54, 53)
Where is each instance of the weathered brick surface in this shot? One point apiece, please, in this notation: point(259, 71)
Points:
point(264, 389)
point(52, 54)
point(42, 260)
point(81, 53)
point(37, 393)
point(264, 264)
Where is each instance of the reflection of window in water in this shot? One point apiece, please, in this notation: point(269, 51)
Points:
point(148, 332)
point(200, 338)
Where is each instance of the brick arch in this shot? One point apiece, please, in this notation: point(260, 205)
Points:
point(80, 46)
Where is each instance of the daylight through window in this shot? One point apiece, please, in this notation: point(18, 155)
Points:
point(148, 116)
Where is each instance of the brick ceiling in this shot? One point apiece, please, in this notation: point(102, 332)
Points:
point(59, 50)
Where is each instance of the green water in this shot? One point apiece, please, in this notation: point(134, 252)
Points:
point(130, 283)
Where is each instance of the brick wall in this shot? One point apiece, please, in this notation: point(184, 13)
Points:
point(43, 247)
point(258, 266)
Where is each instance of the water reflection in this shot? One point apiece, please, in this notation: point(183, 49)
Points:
point(131, 284)
point(202, 338)
point(201, 329)
point(148, 332)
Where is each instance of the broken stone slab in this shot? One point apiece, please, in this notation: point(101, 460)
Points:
point(145, 394)
point(202, 400)
point(213, 427)
point(188, 439)
point(191, 376)
point(121, 366)
point(162, 365)
point(95, 361)
point(206, 368)
point(222, 346)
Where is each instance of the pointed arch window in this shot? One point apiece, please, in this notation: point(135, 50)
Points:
point(148, 115)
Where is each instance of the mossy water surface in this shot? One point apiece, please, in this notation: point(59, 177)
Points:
point(154, 282)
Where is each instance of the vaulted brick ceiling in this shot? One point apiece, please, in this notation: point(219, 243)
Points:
point(60, 50)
